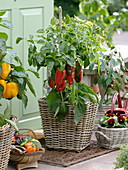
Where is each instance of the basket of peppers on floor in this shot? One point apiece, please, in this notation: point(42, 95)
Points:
point(25, 145)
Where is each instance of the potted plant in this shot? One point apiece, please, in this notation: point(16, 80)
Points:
point(66, 50)
point(13, 83)
point(113, 126)
point(112, 77)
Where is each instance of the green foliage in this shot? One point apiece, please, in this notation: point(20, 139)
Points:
point(98, 11)
point(5, 118)
point(78, 40)
point(122, 157)
point(112, 78)
point(18, 73)
point(105, 122)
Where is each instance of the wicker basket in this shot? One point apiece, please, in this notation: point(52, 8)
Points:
point(26, 160)
point(6, 134)
point(111, 137)
point(68, 135)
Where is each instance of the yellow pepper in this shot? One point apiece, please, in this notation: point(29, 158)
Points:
point(3, 83)
point(6, 69)
point(11, 90)
point(37, 148)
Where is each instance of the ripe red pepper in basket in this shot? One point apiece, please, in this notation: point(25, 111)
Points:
point(59, 77)
point(62, 86)
point(51, 82)
point(70, 79)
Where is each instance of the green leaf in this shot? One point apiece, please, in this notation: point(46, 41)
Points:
point(18, 40)
point(2, 120)
point(72, 98)
point(50, 66)
point(36, 143)
point(2, 13)
point(79, 111)
point(25, 100)
point(1, 91)
point(34, 72)
point(30, 86)
point(17, 59)
point(57, 110)
point(7, 24)
point(53, 21)
point(53, 100)
point(11, 53)
point(40, 31)
point(3, 35)
point(93, 98)
point(19, 74)
point(13, 124)
point(7, 112)
point(63, 111)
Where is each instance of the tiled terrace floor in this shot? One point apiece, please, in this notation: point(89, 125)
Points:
point(104, 162)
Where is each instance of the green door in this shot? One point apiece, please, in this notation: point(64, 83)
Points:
point(27, 16)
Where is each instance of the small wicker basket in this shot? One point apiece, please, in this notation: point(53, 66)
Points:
point(111, 137)
point(26, 160)
point(6, 134)
point(67, 135)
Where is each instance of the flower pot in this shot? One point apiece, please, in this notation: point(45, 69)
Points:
point(111, 137)
point(67, 135)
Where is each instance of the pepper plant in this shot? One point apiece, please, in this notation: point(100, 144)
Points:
point(14, 79)
point(66, 50)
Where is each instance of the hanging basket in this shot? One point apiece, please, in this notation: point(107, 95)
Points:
point(6, 134)
point(67, 135)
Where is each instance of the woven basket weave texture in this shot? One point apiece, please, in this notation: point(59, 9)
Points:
point(67, 135)
point(6, 134)
point(111, 137)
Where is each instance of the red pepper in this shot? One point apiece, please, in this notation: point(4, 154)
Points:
point(79, 77)
point(62, 86)
point(73, 69)
point(51, 82)
point(59, 76)
point(70, 79)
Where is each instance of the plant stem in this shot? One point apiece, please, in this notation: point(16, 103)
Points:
point(62, 96)
point(60, 17)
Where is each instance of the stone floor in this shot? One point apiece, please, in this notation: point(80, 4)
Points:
point(104, 162)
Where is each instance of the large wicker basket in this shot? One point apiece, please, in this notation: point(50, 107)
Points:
point(111, 137)
point(6, 134)
point(68, 135)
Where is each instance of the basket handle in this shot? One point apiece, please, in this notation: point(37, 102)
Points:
point(125, 104)
point(100, 135)
point(116, 95)
point(33, 133)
